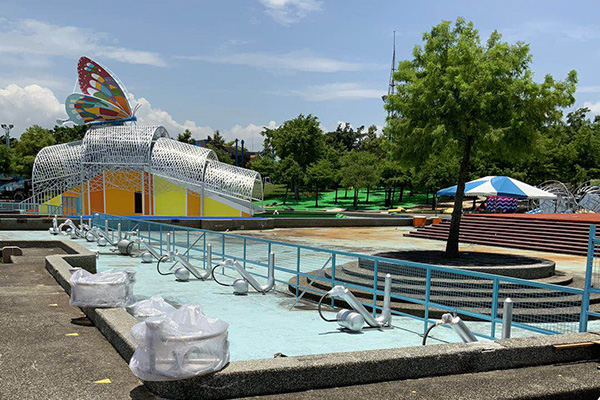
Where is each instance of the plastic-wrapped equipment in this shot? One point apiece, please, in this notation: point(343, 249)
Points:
point(110, 288)
point(155, 306)
point(179, 345)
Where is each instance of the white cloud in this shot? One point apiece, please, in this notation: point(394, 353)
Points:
point(305, 61)
point(38, 40)
point(148, 115)
point(594, 107)
point(36, 105)
point(588, 89)
point(337, 91)
point(286, 12)
point(29, 105)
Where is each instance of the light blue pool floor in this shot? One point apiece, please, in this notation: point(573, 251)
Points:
point(263, 325)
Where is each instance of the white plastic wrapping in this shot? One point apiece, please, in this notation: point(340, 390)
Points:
point(155, 306)
point(104, 289)
point(179, 345)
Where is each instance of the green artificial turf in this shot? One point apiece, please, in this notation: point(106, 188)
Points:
point(276, 193)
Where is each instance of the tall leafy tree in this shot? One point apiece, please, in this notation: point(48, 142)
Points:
point(320, 175)
point(31, 142)
point(217, 143)
point(299, 139)
point(359, 171)
point(289, 173)
point(186, 137)
point(457, 90)
point(65, 134)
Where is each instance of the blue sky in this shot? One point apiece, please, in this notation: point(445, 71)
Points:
point(240, 65)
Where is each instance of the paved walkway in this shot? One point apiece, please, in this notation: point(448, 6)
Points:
point(43, 355)
point(374, 240)
point(579, 381)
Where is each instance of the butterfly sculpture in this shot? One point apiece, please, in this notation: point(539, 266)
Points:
point(103, 98)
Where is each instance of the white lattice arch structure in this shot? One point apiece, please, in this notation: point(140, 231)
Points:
point(134, 149)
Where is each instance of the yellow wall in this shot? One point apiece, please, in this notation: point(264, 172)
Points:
point(55, 201)
point(171, 200)
point(214, 208)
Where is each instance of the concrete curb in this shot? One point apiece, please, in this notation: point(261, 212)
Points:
point(279, 375)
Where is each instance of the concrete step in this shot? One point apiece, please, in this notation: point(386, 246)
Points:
point(518, 245)
point(552, 315)
point(466, 298)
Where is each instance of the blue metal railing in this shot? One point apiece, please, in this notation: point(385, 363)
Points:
point(39, 209)
point(539, 307)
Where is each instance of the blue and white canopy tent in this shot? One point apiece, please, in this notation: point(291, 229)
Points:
point(500, 186)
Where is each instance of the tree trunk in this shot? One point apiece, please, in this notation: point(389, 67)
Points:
point(368, 189)
point(434, 203)
point(453, 236)
point(336, 190)
point(401, 196)
point(427, 197)
point(287, 187)
point(392, 193)
point(296, 192)
point(346, 193)
point(355, 199)
point(317, 197)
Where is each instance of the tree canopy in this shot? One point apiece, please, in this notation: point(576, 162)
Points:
point(458, 91)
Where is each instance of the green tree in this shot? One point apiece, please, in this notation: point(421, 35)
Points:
point(265, 166)
point(320, 175)
point(345, 137)
point(66, 134)
point(6, 158)
point(217, 143)
point(393, 175)
point(289, 173)
point(31, 142)
point(359, 170)
point(299, 139)
point(186, 137)
point(458, 91)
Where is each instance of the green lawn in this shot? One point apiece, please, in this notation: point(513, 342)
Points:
point(276, 193)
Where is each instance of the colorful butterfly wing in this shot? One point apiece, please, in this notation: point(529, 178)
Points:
point(96, 81)
point(83, 109)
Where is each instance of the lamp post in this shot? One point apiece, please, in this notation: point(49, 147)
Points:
point(7, 128)
point(236, 152)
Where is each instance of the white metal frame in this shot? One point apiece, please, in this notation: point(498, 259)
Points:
point(130, 150)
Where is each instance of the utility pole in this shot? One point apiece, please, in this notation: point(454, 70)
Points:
point(7, 128)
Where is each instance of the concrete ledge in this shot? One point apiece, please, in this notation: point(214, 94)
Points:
point(27, 222)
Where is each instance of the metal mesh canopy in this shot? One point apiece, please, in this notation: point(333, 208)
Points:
point(116, 157)
point(121, 145)
point(238, 182)
point(57, 168)
point(180, 163)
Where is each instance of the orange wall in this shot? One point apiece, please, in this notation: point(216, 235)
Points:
point(193, 206)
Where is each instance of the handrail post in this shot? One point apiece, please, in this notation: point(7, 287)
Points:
point(204, 250)
point(585, 297)
point(297, 271)
point(507, 313)
point(244, 253)
point(375, 286)
point(208, 257)
point(494, 311)
point(427, 297)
